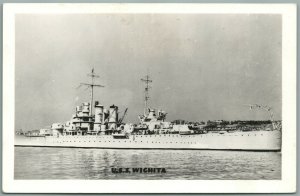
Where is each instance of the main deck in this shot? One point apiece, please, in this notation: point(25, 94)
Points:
point(254, 140)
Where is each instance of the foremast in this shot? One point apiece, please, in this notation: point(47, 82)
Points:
point(91, 86)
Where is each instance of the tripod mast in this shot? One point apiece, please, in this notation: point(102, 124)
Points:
point(91, 87)
point(146, 80)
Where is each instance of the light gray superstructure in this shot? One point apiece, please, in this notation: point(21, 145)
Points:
point(104, 129)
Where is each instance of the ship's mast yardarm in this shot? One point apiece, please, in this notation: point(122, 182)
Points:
point(146, 80)
point(91, 87)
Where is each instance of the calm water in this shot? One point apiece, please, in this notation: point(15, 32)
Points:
point(78, 163)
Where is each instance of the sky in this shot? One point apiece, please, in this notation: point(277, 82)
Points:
point(203, 66)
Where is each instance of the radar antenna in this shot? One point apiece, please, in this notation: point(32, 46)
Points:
point(91, 87)
point(146, 80)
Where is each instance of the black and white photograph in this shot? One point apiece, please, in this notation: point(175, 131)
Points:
point(127, 94)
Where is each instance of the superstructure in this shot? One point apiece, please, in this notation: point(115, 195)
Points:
point(94, 126)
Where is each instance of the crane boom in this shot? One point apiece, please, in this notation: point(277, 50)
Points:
point(266, 108)
point(122, 118)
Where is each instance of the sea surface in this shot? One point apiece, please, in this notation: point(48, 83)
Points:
point(97, 164)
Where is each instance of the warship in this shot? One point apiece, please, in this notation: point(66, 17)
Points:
point(94, 126)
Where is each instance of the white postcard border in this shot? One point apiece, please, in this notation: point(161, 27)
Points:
point(288, 182)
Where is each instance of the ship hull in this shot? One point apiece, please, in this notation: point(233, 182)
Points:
point(250, 141)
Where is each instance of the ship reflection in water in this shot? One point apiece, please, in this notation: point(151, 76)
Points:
point(97, 164)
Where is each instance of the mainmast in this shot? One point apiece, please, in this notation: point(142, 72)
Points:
point(91, 86)
point(146, 80)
